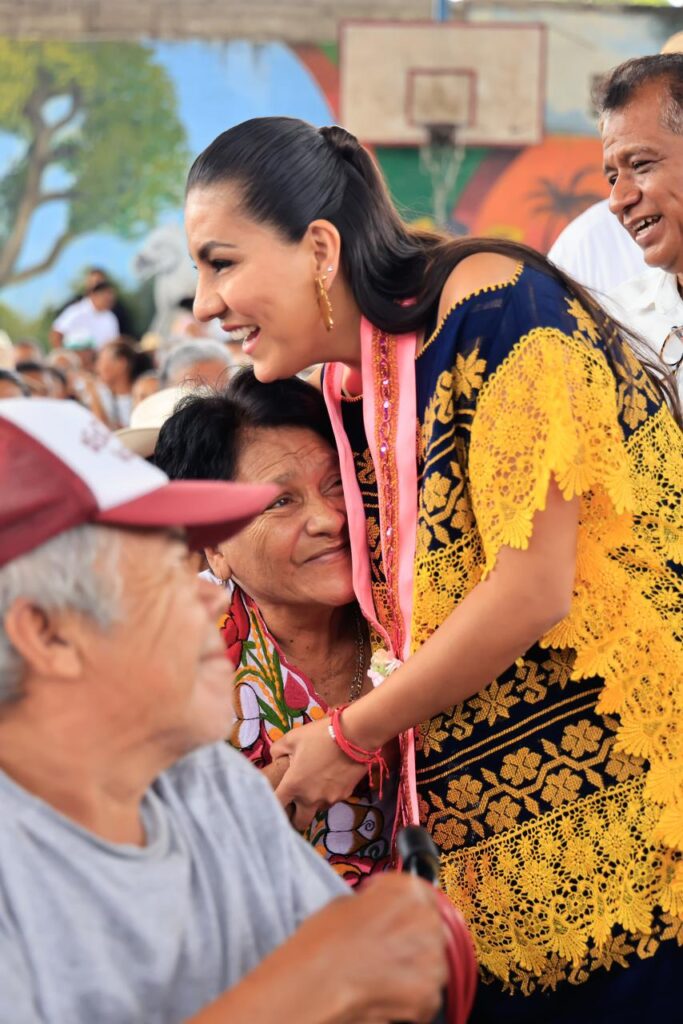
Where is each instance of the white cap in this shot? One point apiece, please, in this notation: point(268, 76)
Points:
point(60, 468)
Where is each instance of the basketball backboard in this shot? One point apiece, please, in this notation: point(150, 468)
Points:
point(399, 77)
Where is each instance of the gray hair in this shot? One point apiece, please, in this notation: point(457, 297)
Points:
point(618, 87)
point(183, 357)
point(77, 570)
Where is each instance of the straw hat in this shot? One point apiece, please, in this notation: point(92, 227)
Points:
point(148, 418)
point(150, 342)
point(674, 44)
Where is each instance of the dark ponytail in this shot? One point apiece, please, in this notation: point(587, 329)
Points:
point(289, 173)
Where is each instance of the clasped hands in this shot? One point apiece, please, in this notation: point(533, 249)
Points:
point(318, 773)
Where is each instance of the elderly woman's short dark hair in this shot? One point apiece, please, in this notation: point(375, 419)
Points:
point(202, 440)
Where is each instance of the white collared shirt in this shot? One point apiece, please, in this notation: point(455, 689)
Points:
point(81, 322)
point(597, 251)
point(651, 305)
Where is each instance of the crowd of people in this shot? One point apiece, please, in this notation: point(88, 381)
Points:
point(437, 580)
point(96, 360)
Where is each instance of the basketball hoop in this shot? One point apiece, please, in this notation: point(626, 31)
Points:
point(486, 79)
point(440, 102)
point(441, 158)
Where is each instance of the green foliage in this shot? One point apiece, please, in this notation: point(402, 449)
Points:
point(16, 325)
point(331, 51)
point(119, 143)
point(133, 159)
point(12, 188)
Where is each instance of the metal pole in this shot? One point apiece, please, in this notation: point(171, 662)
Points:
point(440, 10)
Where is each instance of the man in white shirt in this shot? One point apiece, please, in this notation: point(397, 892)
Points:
point(89, 320)
point(596, 251)
point(641, 120)
point(652, 306)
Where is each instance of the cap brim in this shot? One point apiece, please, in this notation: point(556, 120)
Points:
point(210, 510)
point(141, 440)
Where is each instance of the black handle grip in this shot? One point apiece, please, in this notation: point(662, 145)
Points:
point(418, 853)
point(420, 857)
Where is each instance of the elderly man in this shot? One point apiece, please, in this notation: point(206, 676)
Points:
point(202, 362)
point(641, 120)
point(147, 873)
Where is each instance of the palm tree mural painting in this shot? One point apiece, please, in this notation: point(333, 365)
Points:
point(560, 203)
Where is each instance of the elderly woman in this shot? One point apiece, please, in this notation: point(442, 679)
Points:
point(293, 626)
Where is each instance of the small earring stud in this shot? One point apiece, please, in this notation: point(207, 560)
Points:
point(330, 269)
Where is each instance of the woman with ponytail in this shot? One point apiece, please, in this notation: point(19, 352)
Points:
point(512, 471)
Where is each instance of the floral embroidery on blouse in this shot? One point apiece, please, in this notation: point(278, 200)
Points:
point(555, 794)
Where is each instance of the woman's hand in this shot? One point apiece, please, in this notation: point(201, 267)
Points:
point(275, 772)
point(319, 774)
point(524, 596)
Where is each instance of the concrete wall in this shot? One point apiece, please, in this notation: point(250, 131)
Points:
point(290, 21)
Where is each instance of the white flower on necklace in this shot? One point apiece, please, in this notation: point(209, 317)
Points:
point(382, 664)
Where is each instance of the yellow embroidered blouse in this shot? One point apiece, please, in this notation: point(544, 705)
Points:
point(556, 793)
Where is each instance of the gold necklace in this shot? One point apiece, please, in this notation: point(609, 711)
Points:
point(358, 676)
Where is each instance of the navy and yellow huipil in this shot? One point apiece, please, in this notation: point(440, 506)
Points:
point(555, 794)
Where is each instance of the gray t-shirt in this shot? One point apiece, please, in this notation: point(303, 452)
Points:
point(97, 933)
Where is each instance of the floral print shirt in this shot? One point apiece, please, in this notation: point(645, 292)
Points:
point(271, 697)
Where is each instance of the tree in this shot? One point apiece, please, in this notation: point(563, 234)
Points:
point(97, 130)
point(16, 325)
point(562, 201)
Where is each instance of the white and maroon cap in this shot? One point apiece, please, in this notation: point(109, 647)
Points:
point(60, 468)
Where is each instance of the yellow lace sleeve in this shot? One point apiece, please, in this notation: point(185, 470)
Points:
point(552, 409)
point(549, 409)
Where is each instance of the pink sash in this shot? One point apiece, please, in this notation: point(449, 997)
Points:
point(390, 419)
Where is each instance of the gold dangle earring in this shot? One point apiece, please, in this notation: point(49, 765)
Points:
point(324, 304)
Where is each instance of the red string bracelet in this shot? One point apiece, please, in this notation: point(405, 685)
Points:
point(371, 758)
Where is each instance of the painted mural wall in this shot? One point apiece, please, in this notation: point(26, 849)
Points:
point(96, 140)
point(95, 143)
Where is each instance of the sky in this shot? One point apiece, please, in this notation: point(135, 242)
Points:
point(217, 85)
